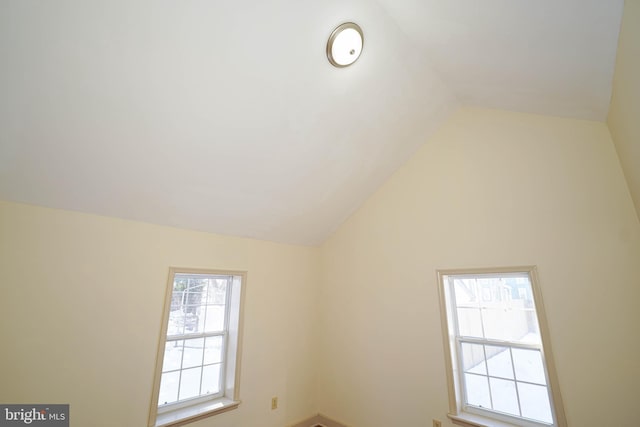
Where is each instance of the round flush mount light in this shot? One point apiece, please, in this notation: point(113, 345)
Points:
point(345, 44)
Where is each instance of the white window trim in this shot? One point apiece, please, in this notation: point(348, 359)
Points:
point(457, 413)
point(229, 398)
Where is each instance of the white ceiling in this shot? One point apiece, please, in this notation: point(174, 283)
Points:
point(227, 117)
point(544, 56)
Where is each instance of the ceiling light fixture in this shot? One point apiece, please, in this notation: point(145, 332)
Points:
point(345, 45)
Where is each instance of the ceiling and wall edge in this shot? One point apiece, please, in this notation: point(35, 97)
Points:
point(624, 113)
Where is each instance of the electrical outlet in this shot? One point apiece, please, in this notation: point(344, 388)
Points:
point(274, 402)
point(437, 423)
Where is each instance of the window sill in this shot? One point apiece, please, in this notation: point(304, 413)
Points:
point(470, 420)
point(189, 414)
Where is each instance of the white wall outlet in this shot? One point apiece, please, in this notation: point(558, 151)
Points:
point(274, 402)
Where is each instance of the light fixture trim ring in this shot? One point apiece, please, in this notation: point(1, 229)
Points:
point(334, 34)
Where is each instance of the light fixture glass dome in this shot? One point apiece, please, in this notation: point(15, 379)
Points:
point(345, 44)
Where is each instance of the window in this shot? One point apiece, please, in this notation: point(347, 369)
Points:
point(199, 351)
point(498, 357)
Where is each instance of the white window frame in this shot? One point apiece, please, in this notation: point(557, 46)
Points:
point(465, 415)
point(228, 398)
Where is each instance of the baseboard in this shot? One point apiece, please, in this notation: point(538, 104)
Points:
point(318, 420)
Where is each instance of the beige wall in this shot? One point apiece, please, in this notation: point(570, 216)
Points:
point(489, 189)
point(624, 113)
point(80, 307)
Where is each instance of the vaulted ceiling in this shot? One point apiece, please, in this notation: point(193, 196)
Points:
point(228, 118)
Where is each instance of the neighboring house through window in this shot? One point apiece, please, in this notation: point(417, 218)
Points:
point(199, 353)
point(498, 356)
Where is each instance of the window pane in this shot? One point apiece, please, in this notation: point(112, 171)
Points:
point(215, 318)
point(217, 291)
point(508, 324)
point(473, 359)
point(499, 361)
point(190, 383)
point(194, 292)
point(528, 364)
point(503, 393)
point(187, 319)
point(511, 324)
point(172, 356)
point(213, 350)
point(534, 401)
point(169, 388)
point(188, 295)
point(211, 379)
point(193, 352)
point(466, 292)
point(470, 322)
point(486, 293)
point(477, 390)
point(176, 321)
point(191, 318)
point(508, 312)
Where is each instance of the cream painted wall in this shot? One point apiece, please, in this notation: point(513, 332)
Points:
point(489, 189)
point(80, 307)
point(624, 113)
